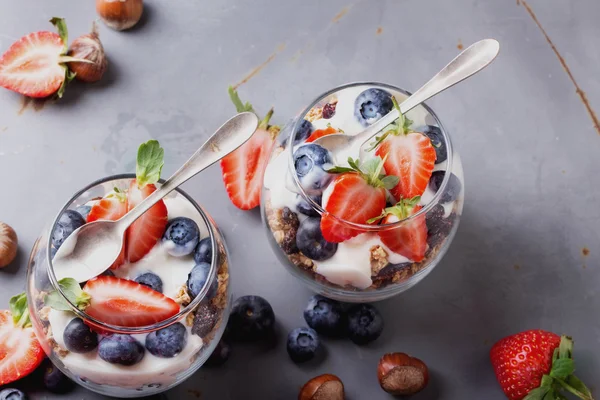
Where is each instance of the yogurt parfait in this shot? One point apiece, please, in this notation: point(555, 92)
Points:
point(367, 226)
point(152, 318)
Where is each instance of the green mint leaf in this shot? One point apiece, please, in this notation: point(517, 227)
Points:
point(63, 32)
point(562, 368)
point(56, 301)
point(538, 393)
point(237, 102)
point(150, 161)
point(579, 386)
point(72, 291)
point(19, 310)
point(390, 181)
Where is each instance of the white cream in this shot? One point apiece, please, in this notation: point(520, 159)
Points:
point(350, 265)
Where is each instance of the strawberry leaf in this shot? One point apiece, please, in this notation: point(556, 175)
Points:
point(565, 348)
point(237, 102)
point(579, 386)
point(72, 291)
point(390, 181)
point(63, 32)
point(19, 310)
point(150, 161)
point(562, 368)
point(539, 393)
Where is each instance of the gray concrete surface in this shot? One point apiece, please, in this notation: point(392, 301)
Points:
point(527, 252)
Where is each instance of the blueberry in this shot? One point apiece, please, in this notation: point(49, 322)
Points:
point(452, 189)
point(302, 344)
point(151, 280)
point(305, 207)
point(197, 279)
point(203, 252)
point(120, 349)
point(67, 223)
point(84, 210)
point(364, 324)
point(303, 132)
point(371, 105)
point(167, 342)
point(12, 394)
point(311, 162)
point(325, 316)
point(54, 380)
point(219, 355)
point(310, 241)
point(252, 318)
point(181, 236)
point(437, 141)
point(78, 337)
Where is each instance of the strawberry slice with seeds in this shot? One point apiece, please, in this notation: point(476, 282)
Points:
point(35, 66)
point(410, 238)
point(322, 132)
point(244, 169)
point(409, 155)
point(357, 195)
point(20, 351)
point(123, 302)
point(112, 207)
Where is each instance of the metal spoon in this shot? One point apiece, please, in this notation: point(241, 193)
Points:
point(94, 247)
point(470, 61)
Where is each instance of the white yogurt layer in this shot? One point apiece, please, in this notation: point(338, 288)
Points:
point(350, 265)
point(173, 271)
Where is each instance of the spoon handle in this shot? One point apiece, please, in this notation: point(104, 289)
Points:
point(231, 135)
point(470, 61)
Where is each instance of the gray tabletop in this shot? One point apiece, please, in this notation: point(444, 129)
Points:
point(526, 254)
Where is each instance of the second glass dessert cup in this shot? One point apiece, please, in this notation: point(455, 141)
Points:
point(380, 259)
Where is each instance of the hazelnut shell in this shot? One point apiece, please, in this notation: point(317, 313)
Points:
point(8, 244)
point(120, 14)
point(322, 387)
point(401, 374)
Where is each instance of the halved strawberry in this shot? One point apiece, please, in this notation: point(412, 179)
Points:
point(112, 207)
point(410, 238)
point(409, 155)
point(244, 169)
point(20, 351)
point(123, 302)
point(148, 229)
point(357, 195)
point(34, 66)
point(322, 132)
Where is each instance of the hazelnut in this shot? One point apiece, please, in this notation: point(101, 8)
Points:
point(120, 14)
point(401, 374)
point(8, 244)
point(322, 387)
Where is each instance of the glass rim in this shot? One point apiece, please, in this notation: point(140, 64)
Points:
point(364, 227)
point(146, 328)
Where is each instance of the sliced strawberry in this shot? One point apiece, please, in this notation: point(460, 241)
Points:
point(34, 65)
point(20, 351)
point(321, 132)
point(408, 239)
point(123, 302)
point(244, 169)
point(112, 207)
point(143, 234)
point(411, 157)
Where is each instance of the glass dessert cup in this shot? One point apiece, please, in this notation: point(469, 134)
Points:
point(362, 268)
point(204, 317)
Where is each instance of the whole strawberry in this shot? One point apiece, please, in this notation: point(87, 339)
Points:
point(537, 364)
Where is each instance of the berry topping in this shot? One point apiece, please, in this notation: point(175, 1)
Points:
point(120, 349)
point(181, 236)
point(357, 195)
point(302, 344)
point(252, 318)
point(329, 110)
point(243, 170)
point(319, 133)
point(127, 303)
point(151, 280)
point(203, 252)
point(78, 337)
point(54, 380)
point(311, 163)
point(205, 319)
point(197, 279)
point(371, 105)
point(167, 342)
point(364, 324)
point(325, 316)
point(68, 222)
point(410, 238)
point(310, 241)
point(305, 207)
point(453, 187)
point(304, 132)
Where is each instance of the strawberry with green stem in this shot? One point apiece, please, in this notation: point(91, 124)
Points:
point(537, 365)
point(356, 195)
point(35, 65)
point(409, 155)
point(243, 170)
point(409, 238)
